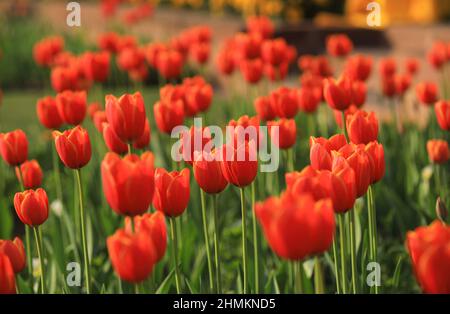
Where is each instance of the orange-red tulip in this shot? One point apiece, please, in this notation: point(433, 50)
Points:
point(438, 151)
point(412, 66)
point(321, 148)
point(377, 162)
point(274, 51)
point(194, 142)
point(261, 25)
point(437, 56)
point(252, 70)
point(359, 67)
point(16, 252)
point(339, 45)
point(172, 191)
point(14, 147)
point(208, 172)
point(112, 141)
point(239, 163)
point(168, 115)
point(7, 277)
point(427, 93)
point(200, 52)
point(128, 182)
point(263, 108)
point(387, 67)
point(144, 140)
point(287, 132)
point(72, 106)
point(338, 94)
point(284, 101)
point(48, 114)
point(46, 50)
point(30, 174)
point(169, 64)
point(64, 78)
point(362, 127)
point(32, 207)
point(198, 97)
point(309, 98)
point(402, 83)
point(96, 65)
point(73, 147)
point(442, 110)
point(429, 249)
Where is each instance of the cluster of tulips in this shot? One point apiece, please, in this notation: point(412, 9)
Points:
point(314, 214)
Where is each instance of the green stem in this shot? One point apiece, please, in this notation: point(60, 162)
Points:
point(136, 288)
point(129, 149)
point(335, 261)
point(206, 236)
point(319, 285)
point(175, 253)
point(373, 217)
point(40, 256)
point(298, 274)
point(255, 239)
point(353, 248)
point(344, 127)
point(83, 233)
point(342, 244)
point(216, 246)
point(244, 239)
point(290, 159)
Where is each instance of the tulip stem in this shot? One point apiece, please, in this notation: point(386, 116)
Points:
point(372, 226)
point(173, 234)
point(353, 248)
point(342, 240)
point(129, 148)
point(216, 246)
point(336, 270)
point(83, 233)
point(244, 239)
point(255, 240)
point(290, 159)
point(298, 274)
point(344, 128)
point(207, 243)
point(318, 277)
point(38, 239)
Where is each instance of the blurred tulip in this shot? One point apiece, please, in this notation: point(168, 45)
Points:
point(46, 50)
point(402, 83)
point(208, 172)
point(130, 58)
point(261, 25)
point(194, 142)
point(276, 73)
point(338, 94)
point(172, 191)
point(72, 106)
point(128, 182)
point(112, 141)
point(437, 56)
point(339, 45)
point(274, 51)
point(14, 147)
point(239, 163)
point(225, 62)
point(320, 150)
point(15, 252)
point(284, 101)
point(99, 119)
point(359, 67)
point(30, 174)
point(338, 114)
point(200, 52)
point(287, 132)
point(198, 97)
point(252, 70)
point(248, 47)
point(168, 115)
point(96, 65)
point(362, 127)
point(109, 42)
point(442, 110)
point(427, 93)
point(264, 109)
point(32, 207)
point(412, 66)
point(388, 86)
point(48, 114)
point(377, 162)
point(64, 78)
point(387, 67)
point(7, 278)
point(438, 151)
point(73, 147)
point(170, 64)
point(309, 99)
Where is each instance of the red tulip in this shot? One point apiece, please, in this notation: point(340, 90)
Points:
point(48, 114)
point(198, 97)
point(7, 278)
point(225, 62)
point(239, 163)
point(261, 25)
point(339, 45)
point(387, 67)
point(359, 67)
point(208, 172)
point(412, 66)
point(132, 255)
point(388, 86)
point(16, 253)
point(274, 51)
point(287, 132)
point(46, 50)
point(112, 141)
point(14, 147)
point(309, 99)
point(168, 115)
point(169, 64)
point(263, 108)
point(128, 182)
point(429, 249)
point(427, 93)
point(437, 56)
point(442, 110)
point(93, 108)
point(194, 142)
point(144, 140)
point(377, 163)
point(99, 119)
point(126, 115)
point(96, 65)
point(321, 148)
point(130, 58)
point(72, 106)
point(338, 114)
point(284, 101)
point(32, 207)
point(362, 127)
point(248, 46)
point(276, 73)
point(252, 70)
point(338, 94)
point(30, 174)
point(402, 83)
point(289, 219)
point(438, 151)
point(200, 52)
point(246, 128)
point(172, 191)
point(109, 42)
point(64, 78)
point(73, 147)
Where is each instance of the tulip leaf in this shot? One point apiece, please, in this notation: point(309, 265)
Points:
point(164, 286)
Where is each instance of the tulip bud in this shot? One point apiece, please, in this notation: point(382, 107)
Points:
point(287, 132)
point(362, 127)
point(427, 93)
point(72, 106)
point(442, 110)
point(339, 45)
point(239, 163)
point(168, 115)
point(32, 207)
point(16, 253)
point(252, 70)
point(285, 102)
point(30, 174)
point(73, 147)
point(48, 114)
point(172, 191)
point(208, 172)
point(14, 147)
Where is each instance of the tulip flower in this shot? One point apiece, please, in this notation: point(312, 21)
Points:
point(377, 162)
point(263, 108)
point(168, 115)
point(387, 67)
point(144, 140)
point(437, 56)
point(30, 174)
point(64, 78)
point(194, 142)
point(225, 62)
point(99, 118)
point(261, 25)
point(208, 172)
point(130, 58)
point(338, 94)
point(48, 114)
point(71, 106)
point(126, 115)
point(16, 253)
point(402, 83)
point(7, 278)
point(172, 191)
point(73, 147)
point(169, 64)
point(427, 93)
point(199, 97)
point(339, 45)
point(287, 132)
point(200, 52)
point(112, 141)
point(442, 110)
point(321, 148)
point(284, 101)
point(248, 47)
point(438, 151)
point(309, 99)
point(46, 50)
point(362, 127)
point(14, 147)
point(239, 163)
point(388, 86)
point(274, 51)
point(252, 70)
point(359, 67)
point(429, 250)
point(412, 66)
point(96, 65)
point(128, 183)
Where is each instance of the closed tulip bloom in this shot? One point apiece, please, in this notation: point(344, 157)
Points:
point(99, 119)
point(288, 220)
point(339, 45)
point(225, 62)
point(7, 277)
point(359, 67)
point(199, 52)
point(130, 58)
point(340, 184)
point(276, 73)
point(284, 100)
point(72, 106)
point(375, 151)
point(48, 114)
point(128, 182)
point(96, 65)
point(112, 141)
point(402, 83)
point(412, 66)
point(239, 163)
point(429, 249)
point(46, 50)
point(338, 94)
point(133, 255)
point(168, 115)
point(442, 110)
point(427, 93)
point(287, 132)
point(274, 51)
point(126, 115)
point(320, 150)
point(14, 147)
point(73, 147)
point(199, 97)
point(362, 127)
point(387, 67)
point(144, 140)
point(359, 92)
point(261, 25)
point(208, 172)
point(194, 142)
point(64, 78)
point(30, 174)
point(306, 181)
point(32, 207)
point(154, 224)
point(263, 108)
point(309, 99)
point(437, 56)
point(169, 64)
point(246, 128)
point(16, 252)
point(172, 191)
point(252, 70)
point(388, 86)
point(438, 151)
